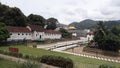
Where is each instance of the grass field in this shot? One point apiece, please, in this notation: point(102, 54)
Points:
point(8, 64)
point(79, 61)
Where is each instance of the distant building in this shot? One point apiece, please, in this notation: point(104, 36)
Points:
point(90, 36)
point(51, 34)
point(77, 33)
point(32, 32)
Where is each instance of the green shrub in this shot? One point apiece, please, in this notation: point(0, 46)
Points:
point(57, 61)
point(26, 56)
point(29, 64)
point(20, 55)
point(106, 66)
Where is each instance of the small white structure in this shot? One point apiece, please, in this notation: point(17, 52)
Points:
point(32, 32)
point(90, 36)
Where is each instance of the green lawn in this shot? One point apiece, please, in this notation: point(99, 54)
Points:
point(77, 60)
point(8, 64)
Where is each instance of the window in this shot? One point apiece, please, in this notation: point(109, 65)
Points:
point(10, 33)
point(22, 34)
point(36, 34)
point(26, 34)
point(18, 34)
point(29, 33)
point(40, 36)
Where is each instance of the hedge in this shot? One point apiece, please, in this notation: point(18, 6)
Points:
point(106, 66)
point(57, 61)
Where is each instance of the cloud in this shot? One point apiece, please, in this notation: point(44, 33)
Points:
point(67, 11)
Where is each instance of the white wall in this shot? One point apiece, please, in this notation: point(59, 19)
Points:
point(36, 35)
point(52, 36)
point(33, 36)
point(20, 36)
point(90, 37)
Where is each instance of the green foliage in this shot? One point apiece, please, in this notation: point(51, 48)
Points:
point(65, 33)
point(36, 20)
point(29, 64)
point(106, 66)
point(116, 30)
point(105, 39)
point(4, 34)
point(12, 16)
point(90, 24)
point(51, 23)
point(57, 61)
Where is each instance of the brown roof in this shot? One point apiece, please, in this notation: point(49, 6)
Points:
point(37, 28)
point(17, 29)
point(91, 33)
point(52, 32)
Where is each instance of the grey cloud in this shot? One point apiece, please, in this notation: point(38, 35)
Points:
point(115, 3)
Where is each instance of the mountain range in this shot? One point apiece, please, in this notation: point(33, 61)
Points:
point(91, 24)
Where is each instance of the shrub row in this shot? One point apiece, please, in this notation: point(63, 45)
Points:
point(106, 66)
point(48, 59)
point(20, 55)
point(57, 61)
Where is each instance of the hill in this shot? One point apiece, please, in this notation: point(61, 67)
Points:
point(91, 24)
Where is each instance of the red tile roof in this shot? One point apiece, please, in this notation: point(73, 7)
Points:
point(37, 28)
point(17, 29)
point(52, 32)
point(90, 33)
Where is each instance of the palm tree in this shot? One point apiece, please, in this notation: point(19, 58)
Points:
point(100, 33)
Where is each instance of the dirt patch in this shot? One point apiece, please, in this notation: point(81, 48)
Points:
point(79, 50)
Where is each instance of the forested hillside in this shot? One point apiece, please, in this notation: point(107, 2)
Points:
point(13, 16)
point(90, 24)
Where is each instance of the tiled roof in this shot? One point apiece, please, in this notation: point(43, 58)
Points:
point(52, 32)
point(17, 29)
point(37, 28)
point(91, 33)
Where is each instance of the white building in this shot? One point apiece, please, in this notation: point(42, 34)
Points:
point(90, 36)
point(32, 32)
point(51, 34)
point(19, 33)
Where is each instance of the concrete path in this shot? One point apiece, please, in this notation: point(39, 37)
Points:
point(55, 47)
point(59, 44)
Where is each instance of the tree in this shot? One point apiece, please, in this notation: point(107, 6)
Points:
point(51, 23)
point(4, 34)
point(12, 16)
point(116, 30)
point(99, 34)
point(65, 33)
point(36, 20)
point(105, 39)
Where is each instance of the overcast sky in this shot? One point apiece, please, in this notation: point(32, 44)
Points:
point(67, 11)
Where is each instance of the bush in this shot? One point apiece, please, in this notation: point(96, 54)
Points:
point(29, 64)
point(106, 66)
point(26, 56)
point(57, 61)
point(20, 55)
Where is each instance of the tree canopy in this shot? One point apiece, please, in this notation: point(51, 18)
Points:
point(65, 33)
point(116, 30)
point(12, 16)
point(36, 20)
point(4, 34)
point(52, 23)
point(105, 39)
